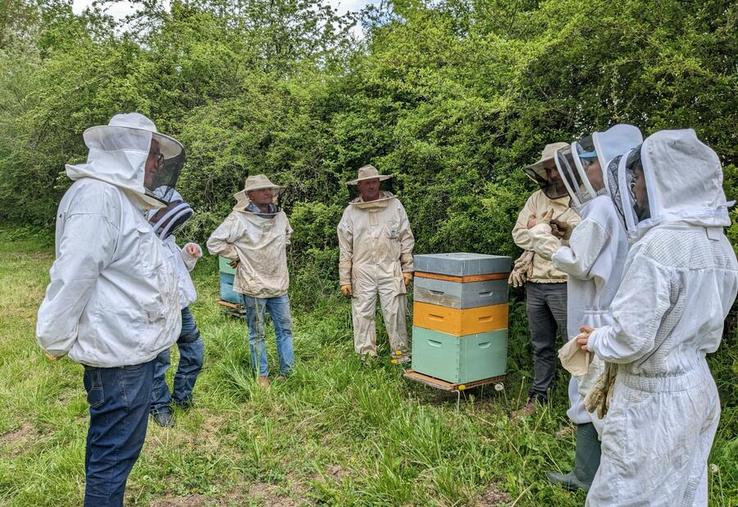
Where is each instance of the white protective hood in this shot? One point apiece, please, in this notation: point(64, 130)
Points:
point(604, 146)
point(684, 182)
point(118, 153)
point(615, 141)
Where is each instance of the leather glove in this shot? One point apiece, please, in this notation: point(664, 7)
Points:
point(516, 279)
point(347, 291)
point(598, 398)
point(522, 269)
point(233, 263)
point(407, 278)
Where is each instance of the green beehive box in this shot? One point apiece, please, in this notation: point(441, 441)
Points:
point(225, 267)
point(459, 359)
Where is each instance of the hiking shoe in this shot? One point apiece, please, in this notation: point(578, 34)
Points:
point(526, 411)
point(163, 417)
point(263, 381)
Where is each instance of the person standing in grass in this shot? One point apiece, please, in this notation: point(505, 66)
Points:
point(112, 303)
point(255, 237)
point(546, 286)
point(376, 256)
point(191, 347)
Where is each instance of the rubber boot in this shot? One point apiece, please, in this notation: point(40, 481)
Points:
point(586, 461)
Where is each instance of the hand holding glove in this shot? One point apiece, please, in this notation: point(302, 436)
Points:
point(560, 229)
point(346, 290)
point(522, 269)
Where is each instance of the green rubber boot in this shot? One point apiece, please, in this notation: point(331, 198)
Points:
point(586, 461)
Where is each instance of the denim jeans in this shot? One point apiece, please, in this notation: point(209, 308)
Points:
point(119, 401)
point(191, 354)
point(279, 309)
point(546, 307)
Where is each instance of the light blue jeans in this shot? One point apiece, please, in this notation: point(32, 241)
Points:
point(279, 309)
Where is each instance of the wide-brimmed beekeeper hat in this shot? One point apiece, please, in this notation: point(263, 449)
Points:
point(256, 182)
point(368, 172)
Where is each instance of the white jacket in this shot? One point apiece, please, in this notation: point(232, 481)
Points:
point(680, 280)
point(113, 298)
point(260, 245)
point(183, 263)
point(594, 260)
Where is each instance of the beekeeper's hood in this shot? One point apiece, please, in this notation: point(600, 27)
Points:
point(684, 183)
point(583, 164)
point(119, 152)
point(544, 174)
point(167, 220)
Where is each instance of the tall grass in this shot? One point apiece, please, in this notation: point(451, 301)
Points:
point(337, 432)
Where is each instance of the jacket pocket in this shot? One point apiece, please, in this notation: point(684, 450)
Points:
point(148, 254)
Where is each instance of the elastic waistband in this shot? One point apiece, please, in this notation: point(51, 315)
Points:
point(679, 382)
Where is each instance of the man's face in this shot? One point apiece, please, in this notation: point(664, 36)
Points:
point(262, 196)
point(552, 174)
point(368, 189)
point(153, 162)
point(639, 188)
point(594, 175)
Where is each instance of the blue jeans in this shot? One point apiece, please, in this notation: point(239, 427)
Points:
point(279, 309)
point(191, 354)
point(119, 401)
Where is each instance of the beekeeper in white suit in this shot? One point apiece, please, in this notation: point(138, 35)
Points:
point(593, 259)
point(112, 303)
point(680, 280)
point(376, 257)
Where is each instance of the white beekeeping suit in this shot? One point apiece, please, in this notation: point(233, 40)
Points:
point(593, 258)
point(376, 246)
point(680, 280)
point(113, 299)
point(596, 251)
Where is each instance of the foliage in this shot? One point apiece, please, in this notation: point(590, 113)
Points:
point(453, 97)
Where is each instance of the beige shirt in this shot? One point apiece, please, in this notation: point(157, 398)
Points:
point(375, 233)
point(260, 245)
point(536, 205)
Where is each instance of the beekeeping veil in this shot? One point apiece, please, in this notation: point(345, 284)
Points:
point(583, 164)
point(118, 154)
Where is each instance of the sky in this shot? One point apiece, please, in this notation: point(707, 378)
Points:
point(121, 8)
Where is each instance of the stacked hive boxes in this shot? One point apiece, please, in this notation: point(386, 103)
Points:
point(460, 316)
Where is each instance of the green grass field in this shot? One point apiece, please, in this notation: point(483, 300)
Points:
point(335, 433)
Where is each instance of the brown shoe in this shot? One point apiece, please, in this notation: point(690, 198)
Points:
point(527, 410)
point(564, 432)
point(263, 381)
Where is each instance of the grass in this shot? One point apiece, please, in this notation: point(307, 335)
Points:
point(337, 432)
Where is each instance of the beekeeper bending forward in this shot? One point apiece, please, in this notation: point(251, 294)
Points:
point(680, 280)
point(376, 257)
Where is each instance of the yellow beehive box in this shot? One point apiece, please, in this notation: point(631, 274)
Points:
point(460, 322)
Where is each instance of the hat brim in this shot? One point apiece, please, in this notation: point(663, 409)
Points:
point(380, 177)
point(168, 145)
